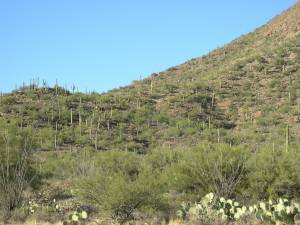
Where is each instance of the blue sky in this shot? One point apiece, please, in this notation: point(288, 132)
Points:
point(99, 45)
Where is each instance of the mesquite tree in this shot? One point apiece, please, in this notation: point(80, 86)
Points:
point(16, 172)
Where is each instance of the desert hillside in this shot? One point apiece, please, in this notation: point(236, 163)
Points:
point(227, 123)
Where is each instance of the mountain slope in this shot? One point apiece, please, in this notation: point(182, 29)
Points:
point(244, 93)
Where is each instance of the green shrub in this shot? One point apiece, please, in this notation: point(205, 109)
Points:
point(120, 196)
point(273, 174)
point(219, 169)
point(16, 172)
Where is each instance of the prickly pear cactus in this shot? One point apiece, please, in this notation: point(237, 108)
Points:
point(280, 212)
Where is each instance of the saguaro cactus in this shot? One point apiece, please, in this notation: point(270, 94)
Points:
point(71, 117)
point(96, 140)
point(21, 121)
point(52, 114)
point(151, 87)
point(91, 128)
point(56, 87)
point(108, 125)
point(287, 138)
point(283, 68)
point(213, 99)
point(55, 136)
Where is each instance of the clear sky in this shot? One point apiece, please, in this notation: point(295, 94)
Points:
point(103, 44)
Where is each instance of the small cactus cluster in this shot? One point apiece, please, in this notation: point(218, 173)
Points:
point(212, 206)
point(204, 210)
point(33, 207)
point(279, 212)
point(76, 217)
point(229, 209)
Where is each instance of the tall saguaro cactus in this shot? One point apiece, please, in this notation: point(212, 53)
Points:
point(111, 112)
point(79, 117)
point(287, 138)
point(91, 128)
point(56, 88)
point(213, 99)
point(55, 136)
point(71, 117)
point(108, 125)
point(151, 87)
point(96, 140)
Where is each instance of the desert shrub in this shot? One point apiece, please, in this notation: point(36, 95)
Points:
point(219, 169)
point(270, 119)
point(119, 162)
point(274, 174)
point(121, 196)
point(16, 172)
point(68, 165)
point(202, 99)
point(190, 131)
point(10, 100)
point(120, 184)
point(172, 132)
point(161, 159)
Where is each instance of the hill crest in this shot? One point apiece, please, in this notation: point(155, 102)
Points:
point(246, 92)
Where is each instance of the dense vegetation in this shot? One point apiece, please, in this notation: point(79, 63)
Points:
point(226, 123)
